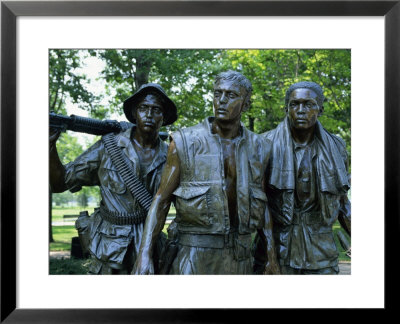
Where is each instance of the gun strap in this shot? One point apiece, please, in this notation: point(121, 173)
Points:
point(135, 186)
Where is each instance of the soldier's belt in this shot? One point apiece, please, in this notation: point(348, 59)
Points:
point(307, 218)
point(118, 218)
point(215, 241)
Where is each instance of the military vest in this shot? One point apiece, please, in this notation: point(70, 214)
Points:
point(201, 199)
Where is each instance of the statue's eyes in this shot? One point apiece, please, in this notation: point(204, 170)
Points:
point(311, 104)
point(142, 108)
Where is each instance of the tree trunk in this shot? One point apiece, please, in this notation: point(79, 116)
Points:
point(251, 123)
point(143, 65)
point(297, 64)
point(54, 101)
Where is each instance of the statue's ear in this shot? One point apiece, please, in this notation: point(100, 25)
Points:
point(246, 104)
point(286, 110)
point(321, 111)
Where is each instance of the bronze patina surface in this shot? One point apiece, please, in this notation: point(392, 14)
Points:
point(215, 173)
point(307, 184)
point(112, 233)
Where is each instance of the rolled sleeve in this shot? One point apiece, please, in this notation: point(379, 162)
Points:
point(84, 170)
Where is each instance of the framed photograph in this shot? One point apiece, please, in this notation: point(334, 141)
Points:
point(370, 29)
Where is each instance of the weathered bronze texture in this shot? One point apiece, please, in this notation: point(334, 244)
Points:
point(307, 184)
point(215, 173)
point(113, 233)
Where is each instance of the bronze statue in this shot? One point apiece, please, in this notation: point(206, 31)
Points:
point(214, 172)
point(307, 184)
point(127, 167)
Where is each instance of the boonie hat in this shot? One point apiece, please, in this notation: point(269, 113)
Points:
point(169, 108)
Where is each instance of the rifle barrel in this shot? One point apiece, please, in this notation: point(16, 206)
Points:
point(89, 125)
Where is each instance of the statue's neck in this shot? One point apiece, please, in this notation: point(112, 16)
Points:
point(227, 130)
point(146, 140)
point(303, 136)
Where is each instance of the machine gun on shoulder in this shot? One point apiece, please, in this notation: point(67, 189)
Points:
point(90, 126)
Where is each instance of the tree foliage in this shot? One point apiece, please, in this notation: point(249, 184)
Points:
point(65, 82)
point(273, 71)
point(187, 76)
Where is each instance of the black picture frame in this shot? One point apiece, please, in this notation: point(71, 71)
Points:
point(10, 10)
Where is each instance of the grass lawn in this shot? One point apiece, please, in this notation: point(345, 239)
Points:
point(62, 236)
point(342, 252)
point(57, 213)
point(68, 266)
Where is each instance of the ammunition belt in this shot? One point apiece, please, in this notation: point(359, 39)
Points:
point(135, 186)
point(119, 218)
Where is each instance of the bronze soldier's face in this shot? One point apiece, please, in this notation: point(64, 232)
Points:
point(229, 100)
point(303, 109)
point(149, 114)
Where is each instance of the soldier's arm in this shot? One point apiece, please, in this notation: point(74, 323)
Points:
point(57, 170)
point(345, 205)
point(158, 211)
point(83, 171)
point(272, 266)
point(345, 214)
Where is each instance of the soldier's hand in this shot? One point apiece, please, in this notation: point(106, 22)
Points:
point(272, 268)
point(143, 266)
point(54, 135)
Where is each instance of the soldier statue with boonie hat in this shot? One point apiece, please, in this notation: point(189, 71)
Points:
point(127, 167)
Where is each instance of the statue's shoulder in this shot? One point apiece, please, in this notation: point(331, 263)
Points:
point(254, 137)
point(258, 144)
point(183, 137)
point(163, 147)
point(339, 143)
point(270, 135)
point(189, 131)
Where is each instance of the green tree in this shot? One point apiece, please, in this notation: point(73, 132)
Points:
point(62, 199)
point(273, 71)
point(65, 82)
point(185, 74)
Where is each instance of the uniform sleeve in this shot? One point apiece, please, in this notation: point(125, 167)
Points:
point(84, 170)
point(345, 214)
point(179, 141)
point(345, 205)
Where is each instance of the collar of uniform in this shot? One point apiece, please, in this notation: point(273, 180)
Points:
point(161, 156)
point(124, 141)
point(311, 145)
point(124, 137)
